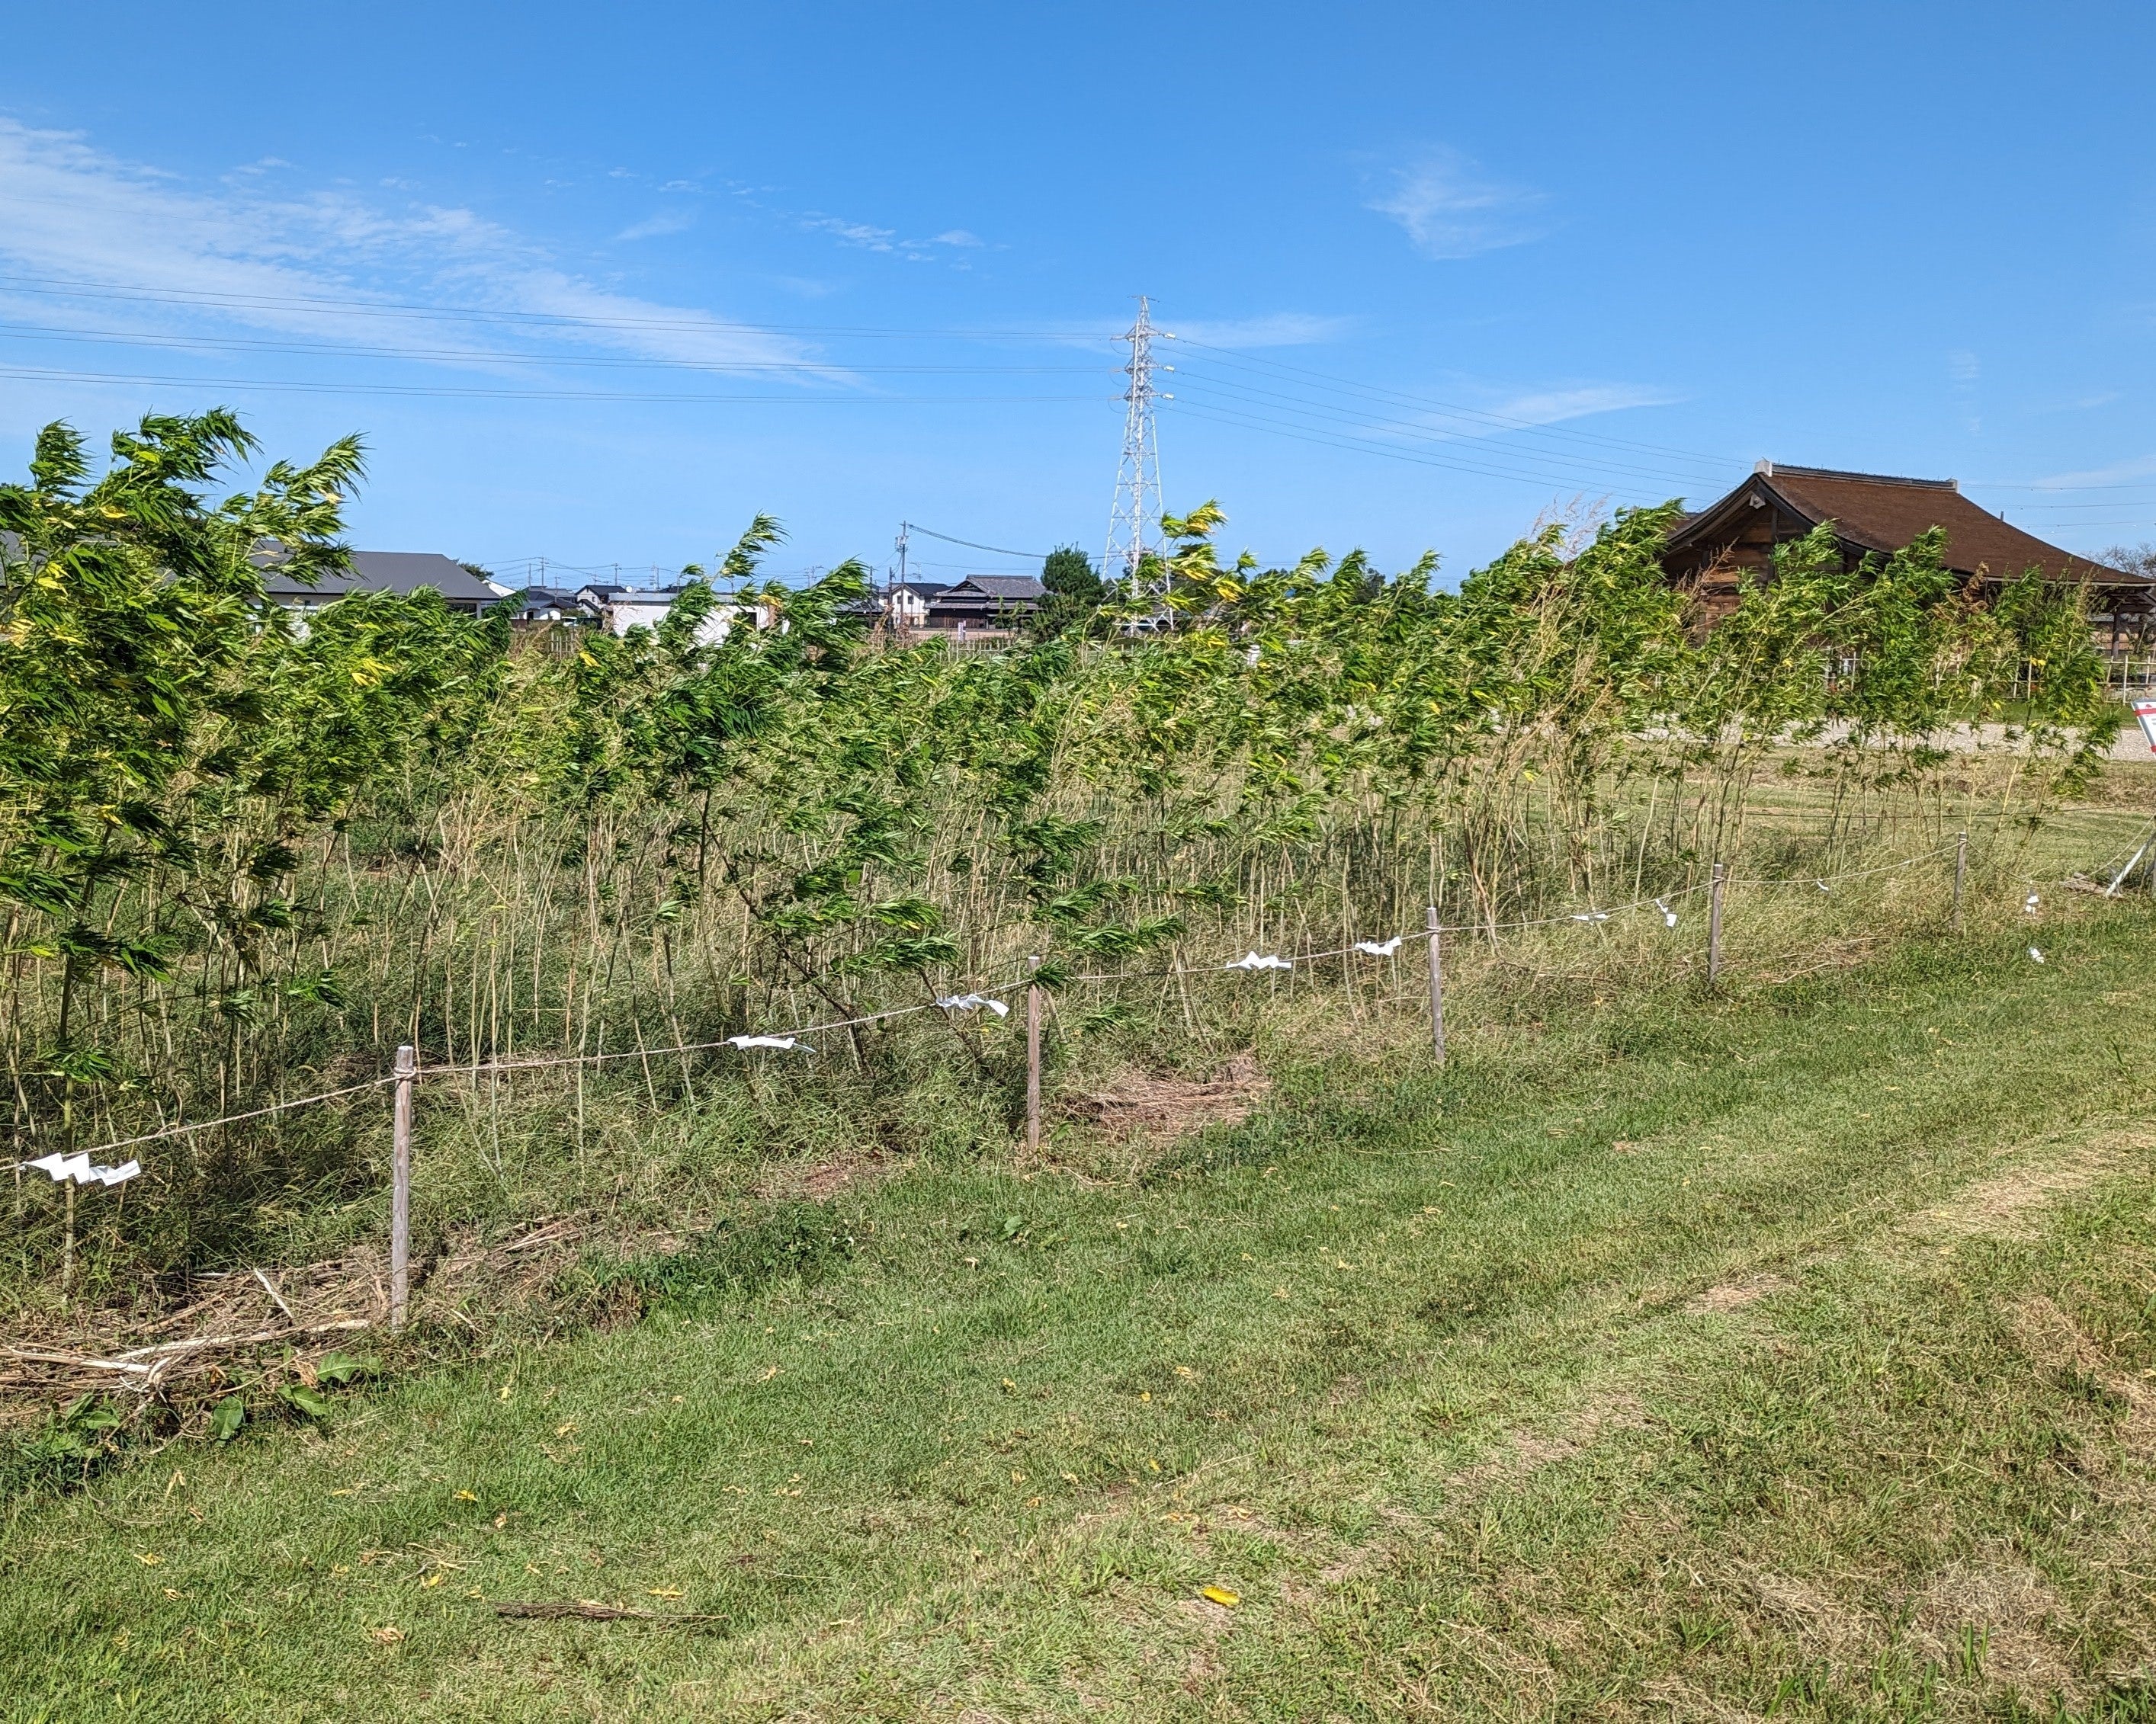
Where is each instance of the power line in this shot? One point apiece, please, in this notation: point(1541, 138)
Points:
point(909, 527)
point(693, 323)
point(1559, 461)
point(55, 375)
point(1348, 386)
point(1362, 446)
point(481, 355)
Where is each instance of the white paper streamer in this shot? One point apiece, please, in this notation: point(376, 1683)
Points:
point(1253, 961)
point(1669, 915)
point(2030, 904)
point(973, 1002)
point(1592, 915)
point(1823, 885)
point(2035, 954)
point(785, 1043)
point(77, 1167)
point(1379, 948)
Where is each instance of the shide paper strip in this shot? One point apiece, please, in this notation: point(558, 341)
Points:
point(1379, 948)
point(78, 1168)
point(973, 1002)
point(1254, 960)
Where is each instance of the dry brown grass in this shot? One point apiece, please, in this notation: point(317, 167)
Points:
point(269, 1327)
point(1735, 1296)
point(1168, 1104)
point(2008, 1205)
point(1527, 1450)
point(2025, 1626)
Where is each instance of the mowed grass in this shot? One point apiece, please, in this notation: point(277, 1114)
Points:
point(1793, 1353)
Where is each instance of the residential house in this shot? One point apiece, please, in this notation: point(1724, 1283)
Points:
point(980, 603)
point(401, 573)
point(538, 605)
point(622, 608)
point(1717, 547)
point(905, 604)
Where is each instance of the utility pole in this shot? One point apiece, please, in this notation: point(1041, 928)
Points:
point(894, 603)
point(1134, 519)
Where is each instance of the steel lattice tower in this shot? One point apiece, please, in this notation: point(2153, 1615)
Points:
point(1134, 519)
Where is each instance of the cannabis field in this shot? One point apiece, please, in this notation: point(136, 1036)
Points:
point(1781, 1344)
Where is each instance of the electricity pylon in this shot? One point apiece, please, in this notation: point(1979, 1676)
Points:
point(1134, 519)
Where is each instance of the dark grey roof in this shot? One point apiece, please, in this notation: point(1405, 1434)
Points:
point(919, 589)
point(1003, 586)
point(398, 571)
point(538, 600)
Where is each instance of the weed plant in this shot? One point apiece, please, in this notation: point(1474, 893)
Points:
point(243, 860)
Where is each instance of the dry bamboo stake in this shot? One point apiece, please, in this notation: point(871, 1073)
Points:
point(1436, 988)
point(400, 1190)
point(1961, 868)
point(1033, 1061)
point(1714, 925)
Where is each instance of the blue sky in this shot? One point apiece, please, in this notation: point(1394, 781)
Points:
point(598, 284)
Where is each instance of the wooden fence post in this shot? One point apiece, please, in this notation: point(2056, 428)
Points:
point(400, 1191)
point(1032, 1060)
point(1961, 870)
point(1436, 988)
point(1714, 925)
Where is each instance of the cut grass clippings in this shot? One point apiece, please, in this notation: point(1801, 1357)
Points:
point(1786, 1356)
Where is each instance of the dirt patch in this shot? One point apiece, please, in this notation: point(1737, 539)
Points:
point(1167, 1105)
point(821, 1180)
point(1208, 1622)
point(1827, 955)
point(1526, 1452)
point(2008, 1205)
point(1735, 1296)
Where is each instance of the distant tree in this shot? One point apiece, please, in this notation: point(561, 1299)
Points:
point(1069, 571)
point(2134, 560)
point(1074, 591)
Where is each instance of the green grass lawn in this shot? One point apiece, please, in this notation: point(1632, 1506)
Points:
point(1786, 1355)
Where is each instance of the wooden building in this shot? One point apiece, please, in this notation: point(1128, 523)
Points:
point(1873, 514)
point(997, 602)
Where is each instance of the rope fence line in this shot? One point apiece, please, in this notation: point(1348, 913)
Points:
point(747, 1042)
point(230, 1119)
point(77, 1166)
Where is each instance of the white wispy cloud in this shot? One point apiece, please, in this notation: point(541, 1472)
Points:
point(2117, 473)
point(866, 236)
point(1450, 209)
point(242, 255)
point(653, 227)
point(1553, 406)
point(1277, 329)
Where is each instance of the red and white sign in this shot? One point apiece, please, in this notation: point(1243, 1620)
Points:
point(2145, 711)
